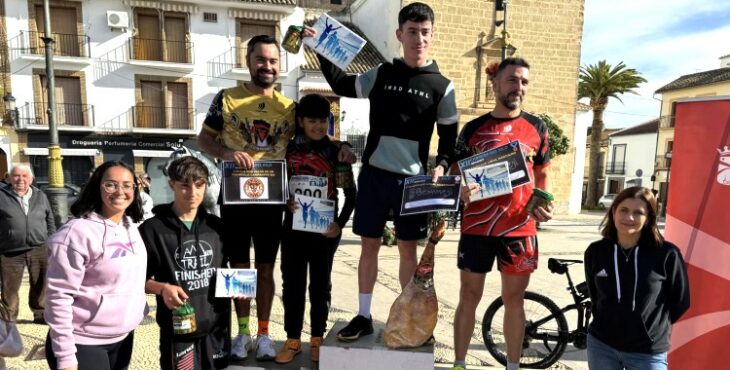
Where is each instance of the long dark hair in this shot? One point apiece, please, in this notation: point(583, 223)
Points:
point(650, 232)
point(90, 198)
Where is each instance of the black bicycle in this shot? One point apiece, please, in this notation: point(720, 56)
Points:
point(546, 329)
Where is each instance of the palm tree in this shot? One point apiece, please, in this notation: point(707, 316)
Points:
point(599, 82)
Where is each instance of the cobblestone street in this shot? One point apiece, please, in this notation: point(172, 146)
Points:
point(564, 237)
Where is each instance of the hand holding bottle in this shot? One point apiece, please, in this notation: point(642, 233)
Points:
point(173, 296)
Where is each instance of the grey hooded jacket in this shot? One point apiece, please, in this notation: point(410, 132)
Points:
point(18, 232)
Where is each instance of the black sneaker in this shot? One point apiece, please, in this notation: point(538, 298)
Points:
point(358, 326)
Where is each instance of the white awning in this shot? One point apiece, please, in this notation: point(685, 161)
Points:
point(64, 151)
point(259, 15)
point(151, 153)
point(163, 5)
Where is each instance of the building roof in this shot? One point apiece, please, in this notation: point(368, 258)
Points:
point(365, 60)
point(697, 79)
point(581, 107)
point(649, 127)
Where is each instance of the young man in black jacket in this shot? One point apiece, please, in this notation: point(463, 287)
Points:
point(184, 248)
point(406, 97)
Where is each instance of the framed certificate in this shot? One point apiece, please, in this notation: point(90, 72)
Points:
point(265, 183)
point(421, 195)
point(510, 154)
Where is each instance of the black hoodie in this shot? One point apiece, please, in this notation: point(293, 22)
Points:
point(404, 104)
point(635, 296)
point(187, 258)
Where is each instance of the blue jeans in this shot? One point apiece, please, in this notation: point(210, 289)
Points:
point(603, 357)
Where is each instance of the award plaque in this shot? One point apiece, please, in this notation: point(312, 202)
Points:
point(265, 183)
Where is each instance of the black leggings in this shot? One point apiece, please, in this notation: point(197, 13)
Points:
point(115, 356)
point(300, 250)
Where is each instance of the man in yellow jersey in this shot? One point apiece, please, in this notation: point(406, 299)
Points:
point(244, 124)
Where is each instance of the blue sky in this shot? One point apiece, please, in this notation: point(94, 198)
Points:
point(662, 39)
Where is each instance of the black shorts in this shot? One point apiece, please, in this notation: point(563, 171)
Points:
point(258, 222)
point(515, 256)
point(379, 193)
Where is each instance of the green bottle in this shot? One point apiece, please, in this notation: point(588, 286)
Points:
point(183, 319)
point(293, 39)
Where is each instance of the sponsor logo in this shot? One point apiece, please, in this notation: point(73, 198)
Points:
point(254, 188)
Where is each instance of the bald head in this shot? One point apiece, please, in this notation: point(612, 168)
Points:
point(21, 176)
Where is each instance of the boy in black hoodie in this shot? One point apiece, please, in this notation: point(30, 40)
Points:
point(184, 248)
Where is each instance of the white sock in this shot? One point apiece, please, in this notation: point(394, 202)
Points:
point(365, 301)
point(511, 366)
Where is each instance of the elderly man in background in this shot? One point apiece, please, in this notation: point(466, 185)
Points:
point(26, 221)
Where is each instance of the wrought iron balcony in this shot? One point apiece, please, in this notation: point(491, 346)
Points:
point(236, 58)
point(33, 115)
point(663, 162)
point(666, 121)
point(152, 117)
point(65, 44)
point(615, 168)
point(161, 50)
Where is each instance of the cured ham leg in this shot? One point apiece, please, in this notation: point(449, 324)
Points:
point(413, 315)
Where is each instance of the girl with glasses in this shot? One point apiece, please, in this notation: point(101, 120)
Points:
point(96, 275)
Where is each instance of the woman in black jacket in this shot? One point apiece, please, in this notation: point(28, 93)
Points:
point(638, 286)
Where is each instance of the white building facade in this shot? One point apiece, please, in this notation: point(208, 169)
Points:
point(630, 159)
point(133, 78)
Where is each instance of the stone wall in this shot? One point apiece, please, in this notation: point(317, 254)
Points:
point(546, 33)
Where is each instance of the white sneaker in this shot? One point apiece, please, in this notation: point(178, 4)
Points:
point(264, 348)
point(241, 346)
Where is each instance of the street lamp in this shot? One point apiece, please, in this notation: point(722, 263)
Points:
point(11, 108)
point(57, 194)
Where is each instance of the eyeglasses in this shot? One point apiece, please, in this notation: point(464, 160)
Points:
point(112, 187)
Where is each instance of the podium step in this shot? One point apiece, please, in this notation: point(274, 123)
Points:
point(369, 352)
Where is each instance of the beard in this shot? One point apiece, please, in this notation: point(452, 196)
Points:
point(511, 101)
point(262, 82)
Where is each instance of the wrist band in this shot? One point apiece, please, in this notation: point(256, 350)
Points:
point(433, 241)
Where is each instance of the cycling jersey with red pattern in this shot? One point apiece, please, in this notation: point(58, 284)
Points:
point(304, 159)
point(503, 215)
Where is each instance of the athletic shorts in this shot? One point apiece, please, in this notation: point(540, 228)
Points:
point(260, 223)
point(515, 256)
point(378, 194)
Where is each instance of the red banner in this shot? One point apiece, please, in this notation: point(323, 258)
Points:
point(698, 221)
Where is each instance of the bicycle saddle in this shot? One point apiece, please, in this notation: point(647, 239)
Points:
point(560, 266)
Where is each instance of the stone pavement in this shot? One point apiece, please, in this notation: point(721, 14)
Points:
point(564, 237)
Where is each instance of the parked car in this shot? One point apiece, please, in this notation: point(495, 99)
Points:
point(606, 201)
point(73, 190)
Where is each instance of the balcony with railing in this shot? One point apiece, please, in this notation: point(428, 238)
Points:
point(69, 116)
point(615, 168)
point(664, 161)
point(233, 61)
point(666, 122)
point(66, 46)
point(154, 50)
point(152, 119)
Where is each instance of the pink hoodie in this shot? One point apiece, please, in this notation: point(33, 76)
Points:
point(95, 284)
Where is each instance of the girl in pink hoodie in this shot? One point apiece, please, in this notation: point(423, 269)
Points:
point(96, 274)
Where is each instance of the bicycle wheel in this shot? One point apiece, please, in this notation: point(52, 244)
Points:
point(546, 332)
